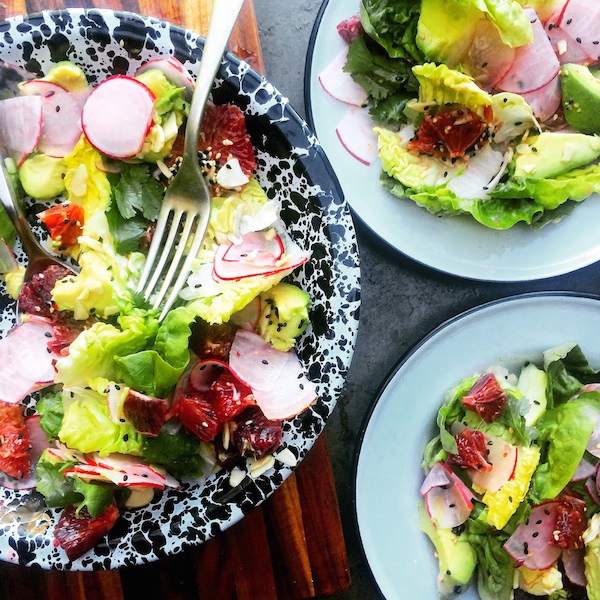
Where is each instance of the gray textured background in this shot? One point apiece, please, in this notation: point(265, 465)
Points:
point(401, 301)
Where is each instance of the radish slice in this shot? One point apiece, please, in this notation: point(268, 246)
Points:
point(174, 71)
point(339, 84)
point(591, 489)
point(39, 442)
point(256, 247)
point(204, 373)
point(255, 362)
point(39, 87)
point(228, 270)
point(291, 394)
point(65, 454)
point(117, 394)
point(118, 115)
point(448, 505)
point(20, 125)
point(530, 544)
point(545, 101)
point(585, 469)
point(61, 122)
point(535, 64)
point(438, 476)
point(349, 29)
point(355, 132)
point(593, 445)
point(503, 458)
point(26, 364)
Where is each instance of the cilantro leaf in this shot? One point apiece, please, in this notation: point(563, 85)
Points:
point(126, 233)
point(138, 192)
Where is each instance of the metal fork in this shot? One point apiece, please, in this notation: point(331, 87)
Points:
point(187, 199)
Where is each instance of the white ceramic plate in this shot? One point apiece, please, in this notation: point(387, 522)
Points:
point(402, 420)
point(455, 245)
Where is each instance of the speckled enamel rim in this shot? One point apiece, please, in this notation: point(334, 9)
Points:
point(292, 167)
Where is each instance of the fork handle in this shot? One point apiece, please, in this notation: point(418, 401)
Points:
point(222, 19)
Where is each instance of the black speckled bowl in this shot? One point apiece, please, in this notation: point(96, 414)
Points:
point(292, 167)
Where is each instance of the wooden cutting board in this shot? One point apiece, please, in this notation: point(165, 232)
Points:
point(291, 547)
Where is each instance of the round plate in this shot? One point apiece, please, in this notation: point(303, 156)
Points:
point(454, 245)
point(291, 167)
point(402, 420)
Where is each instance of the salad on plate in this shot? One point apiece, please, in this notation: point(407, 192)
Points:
point(126, 405)
point(481, 107)
point(511, 498)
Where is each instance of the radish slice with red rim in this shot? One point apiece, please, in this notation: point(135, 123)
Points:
point(572, 560)
point(61, 122)
point(448, 505)
point(118, 115)
point(355, 132)
point(438, 476)
point(174, 71)
point(339, 84)
point(530, 544)
point(40, 87)
point(503, 458)
point(585, 469)
point(258, 248)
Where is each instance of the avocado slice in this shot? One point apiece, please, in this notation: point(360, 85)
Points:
point(68, 75)
point(552, 153)
point(43, 176)
point(580, 98)
point(532, 384)
point(456, 555)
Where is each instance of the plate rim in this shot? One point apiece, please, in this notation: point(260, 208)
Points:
point(390, 377)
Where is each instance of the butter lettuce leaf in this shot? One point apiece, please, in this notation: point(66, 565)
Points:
point(87, 427)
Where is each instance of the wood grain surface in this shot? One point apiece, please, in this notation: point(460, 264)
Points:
point(290, 548)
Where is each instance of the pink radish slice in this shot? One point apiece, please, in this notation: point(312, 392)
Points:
point(247, 318)
point(257, 248)
point(116, 477)
point(489, 59)
point(61, 122)
point(355, 132)
point(339, 84)
point(26, 364)
point(8, 262)
point(590, 488)
point(204, 373)
point(230, 271)
point(349, 29)
point(20, 125)
point(585, 469)
point(565, 47)
point(118, 115)
point(255, 362)
point(535, 64)
point(579, 20)
point(108, 165)
point(503, 458)
point(545, 101)
point(448, 505)
point(530, 544)
point(438, 476)
point(291, 394)
point(39, 87)
point(174, 71)
point(130, 465)
point(572, 560)
point(593, 445)
point(66, 454)
point(39, 442)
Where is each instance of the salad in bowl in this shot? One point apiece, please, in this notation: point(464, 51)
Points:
point(510, 499)
point(119, 429)
point(486, 109)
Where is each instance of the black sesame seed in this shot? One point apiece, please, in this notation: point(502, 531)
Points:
point(126, 437)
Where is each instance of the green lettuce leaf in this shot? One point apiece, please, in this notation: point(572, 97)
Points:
point(92, 354)
point(563, 435)
point(155, 370)
point(393, 25)
point(178, 452)
point(389, 82)
point(87, 427)
point(51, 411)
